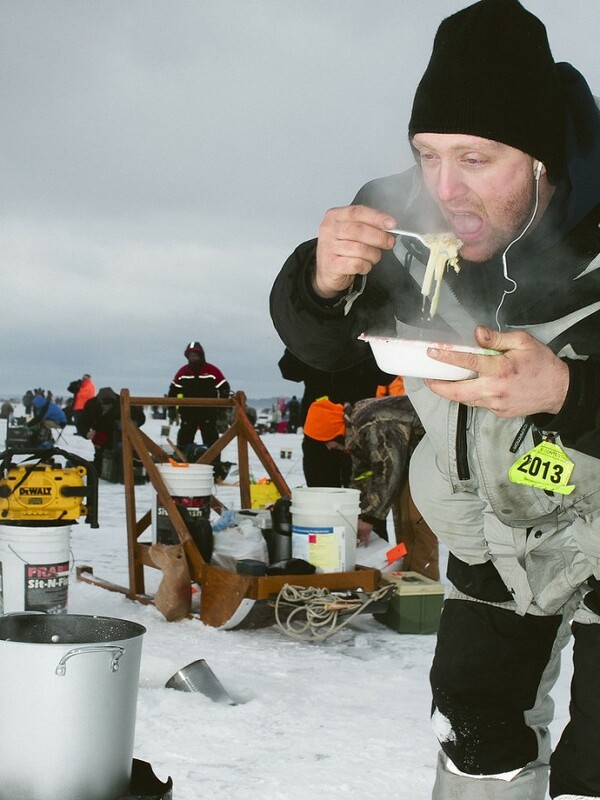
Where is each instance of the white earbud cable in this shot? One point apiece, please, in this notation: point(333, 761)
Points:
point(506, 292)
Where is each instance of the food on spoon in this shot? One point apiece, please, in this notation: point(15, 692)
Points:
point(443, 251)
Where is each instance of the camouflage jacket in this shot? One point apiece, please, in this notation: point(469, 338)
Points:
point(381, 434)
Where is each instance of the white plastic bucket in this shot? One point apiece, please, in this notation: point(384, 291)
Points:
point(324, 527)
point(191, 486)
point(34, 568)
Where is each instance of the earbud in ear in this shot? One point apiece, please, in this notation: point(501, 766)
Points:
point(537, 169)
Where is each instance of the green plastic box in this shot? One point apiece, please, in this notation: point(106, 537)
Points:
point(417, 606)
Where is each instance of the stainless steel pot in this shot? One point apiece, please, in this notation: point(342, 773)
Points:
point(68, 697)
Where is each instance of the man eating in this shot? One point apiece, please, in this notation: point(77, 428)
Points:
point(507, 150)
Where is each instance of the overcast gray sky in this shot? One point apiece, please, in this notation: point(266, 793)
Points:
point(161, 158)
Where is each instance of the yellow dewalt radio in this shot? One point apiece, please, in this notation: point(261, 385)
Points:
point(44, 490)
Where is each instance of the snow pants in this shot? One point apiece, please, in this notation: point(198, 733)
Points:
point(491, 677)
point(189, 426)
point(208, 430)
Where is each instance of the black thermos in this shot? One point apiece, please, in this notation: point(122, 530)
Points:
point(280, 544)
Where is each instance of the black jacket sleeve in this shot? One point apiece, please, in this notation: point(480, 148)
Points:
point(578, 421)
point(291, 368)
point(323, 333)
point(316, 333)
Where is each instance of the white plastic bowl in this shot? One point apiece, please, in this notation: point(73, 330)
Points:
point(408, 357)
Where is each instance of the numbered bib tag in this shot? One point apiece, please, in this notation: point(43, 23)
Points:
point(546, 467)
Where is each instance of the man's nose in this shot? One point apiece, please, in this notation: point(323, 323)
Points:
point(449, 182)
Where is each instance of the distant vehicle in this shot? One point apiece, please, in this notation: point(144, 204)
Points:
point(264, 421)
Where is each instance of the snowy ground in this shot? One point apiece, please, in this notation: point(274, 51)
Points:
point(346, 719)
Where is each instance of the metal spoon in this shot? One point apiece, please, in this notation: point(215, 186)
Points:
point(398, 232)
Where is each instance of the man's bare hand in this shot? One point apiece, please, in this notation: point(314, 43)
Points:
point(525, 378)
point(351, 241)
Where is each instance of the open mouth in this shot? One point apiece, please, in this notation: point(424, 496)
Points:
point(466, 225)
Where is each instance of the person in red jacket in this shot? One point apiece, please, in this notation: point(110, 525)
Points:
point(197, 378)
point(86, 391)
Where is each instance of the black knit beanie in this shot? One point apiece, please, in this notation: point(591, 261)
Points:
point(491, 74)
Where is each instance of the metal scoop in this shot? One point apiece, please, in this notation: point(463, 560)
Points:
point(199, 677)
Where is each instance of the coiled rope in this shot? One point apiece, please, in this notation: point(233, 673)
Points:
point(313, 614)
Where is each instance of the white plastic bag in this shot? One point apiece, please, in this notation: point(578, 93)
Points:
point(376, 555)
point(242, 541)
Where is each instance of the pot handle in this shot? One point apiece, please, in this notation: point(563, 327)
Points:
point(115, 650)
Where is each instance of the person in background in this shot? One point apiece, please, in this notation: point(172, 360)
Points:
point(394, 388)
point(252, 415)
point(68, 409)
point(47, 417)
point(73, 388)
point(322, 466)
point(277, 417)
point(27, 401)
point(100, 422)
point(199, 379)
point(293, 414)
point(378, 437)
point(325, 425)
point(85, 392)
point(507, 159)
point(6, 409)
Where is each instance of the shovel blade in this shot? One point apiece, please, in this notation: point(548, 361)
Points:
point(199, 677)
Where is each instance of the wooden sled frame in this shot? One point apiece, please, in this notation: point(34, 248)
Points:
point(226, 597)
